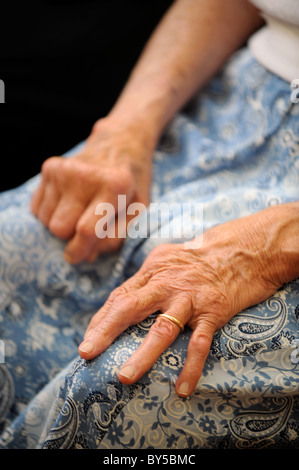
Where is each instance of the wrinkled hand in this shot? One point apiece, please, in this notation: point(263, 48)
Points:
point(114, 161)
point(203, 288)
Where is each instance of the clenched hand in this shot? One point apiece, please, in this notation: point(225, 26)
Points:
point(115, 160)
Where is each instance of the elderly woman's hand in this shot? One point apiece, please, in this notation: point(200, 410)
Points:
point(116, 159)
point(238, 265)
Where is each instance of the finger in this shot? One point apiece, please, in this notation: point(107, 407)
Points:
point(198, 351)
point(160, 337)
point(49, 167)
point(130, 285)
point(65, 216)
point(85, 245)
point(109, 244)
point(48, 203)
point(125, 310)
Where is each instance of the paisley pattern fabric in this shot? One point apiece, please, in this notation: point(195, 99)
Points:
point(235, 149)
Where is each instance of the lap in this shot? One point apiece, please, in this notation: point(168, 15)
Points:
point(247, 394)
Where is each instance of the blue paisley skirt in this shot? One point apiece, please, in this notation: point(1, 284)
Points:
point(234, 149)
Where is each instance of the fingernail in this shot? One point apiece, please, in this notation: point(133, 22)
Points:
point(184, 388)
point(128, 372)
point(87, 347)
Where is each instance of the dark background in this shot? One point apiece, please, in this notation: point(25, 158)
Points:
point(64, 64)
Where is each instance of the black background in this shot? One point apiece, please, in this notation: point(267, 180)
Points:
point(64, 64)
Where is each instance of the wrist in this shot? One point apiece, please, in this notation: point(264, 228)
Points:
point(283, 241)
point(132, 126)
point(121, 141)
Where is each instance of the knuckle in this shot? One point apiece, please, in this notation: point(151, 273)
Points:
point(127, 302)
point(200, 342)
point(160, 251)
point(78, 175)
point(50, 165)
point(162, 329)
point(118, 291)
point(119, 181)
point(84, 230)
point(136, 301)
point(58, 229)
point(102, 334)
point(99, 330)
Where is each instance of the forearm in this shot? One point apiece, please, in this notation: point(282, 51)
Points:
point(189, 45)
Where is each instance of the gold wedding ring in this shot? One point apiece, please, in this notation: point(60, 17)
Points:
point(172, 319)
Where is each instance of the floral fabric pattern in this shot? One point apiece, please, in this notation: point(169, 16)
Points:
point(235, 149)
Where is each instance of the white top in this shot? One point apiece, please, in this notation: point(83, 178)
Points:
point(276, 45)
